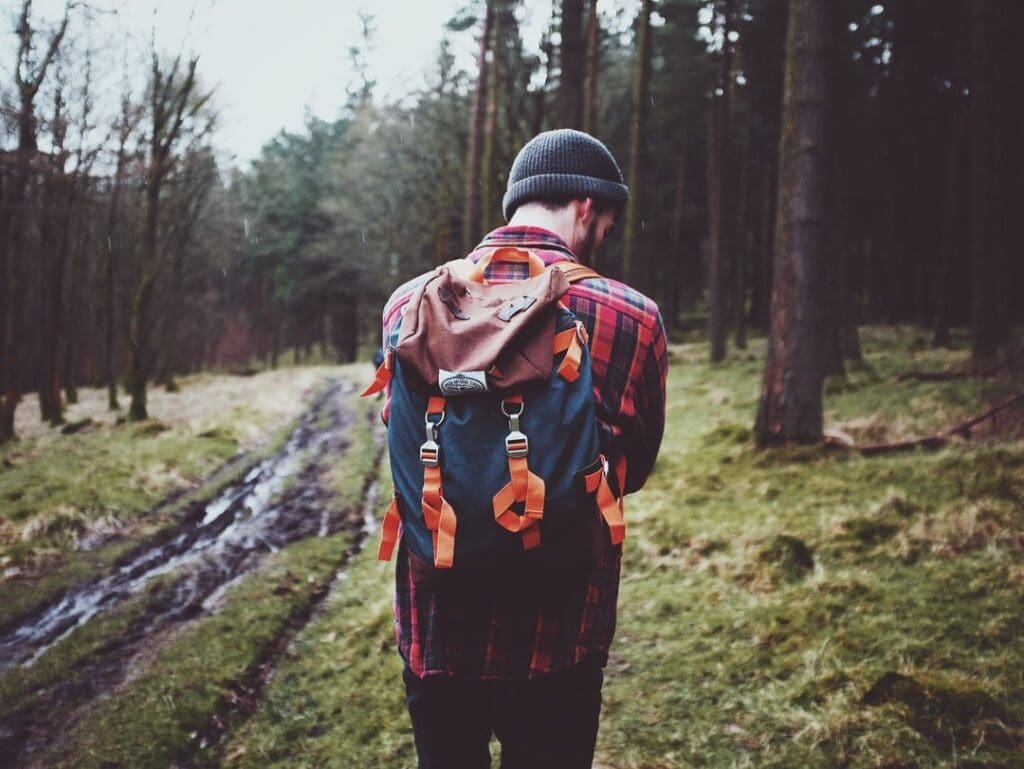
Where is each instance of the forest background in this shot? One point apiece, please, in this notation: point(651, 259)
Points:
point(822, 206)
point(121, 234)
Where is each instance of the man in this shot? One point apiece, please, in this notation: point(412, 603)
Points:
point(528, 668)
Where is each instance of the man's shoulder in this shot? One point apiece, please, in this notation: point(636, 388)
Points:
point(401, 295)
point(619, 297)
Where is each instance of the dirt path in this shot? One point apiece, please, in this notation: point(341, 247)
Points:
point(278, 501)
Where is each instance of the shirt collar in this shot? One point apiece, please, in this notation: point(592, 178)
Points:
point(534, 237)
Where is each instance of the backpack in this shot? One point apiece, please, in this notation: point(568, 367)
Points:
point(494, 445)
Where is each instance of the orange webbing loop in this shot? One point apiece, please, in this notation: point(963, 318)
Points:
point(438, 515)
point(611, 509)
point(381, 377)
point(523, 486)
point(527, 487)
point(389, 531)
point(570, 341)
point(514, 255)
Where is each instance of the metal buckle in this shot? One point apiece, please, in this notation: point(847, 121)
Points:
point(430, 454)
point(516, 443)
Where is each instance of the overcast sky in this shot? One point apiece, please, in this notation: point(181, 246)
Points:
point(271, 61)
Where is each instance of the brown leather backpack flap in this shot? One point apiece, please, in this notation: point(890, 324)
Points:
point(462, 336)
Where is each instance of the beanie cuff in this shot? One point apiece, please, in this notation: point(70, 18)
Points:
point(546, 186)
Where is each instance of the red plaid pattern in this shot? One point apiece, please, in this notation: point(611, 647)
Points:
point(529, 635)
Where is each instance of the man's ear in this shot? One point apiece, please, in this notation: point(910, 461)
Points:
point(586, 209)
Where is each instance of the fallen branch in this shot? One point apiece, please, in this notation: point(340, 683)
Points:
point(938, 440)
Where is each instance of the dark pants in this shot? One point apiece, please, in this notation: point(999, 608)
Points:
point(540, 723)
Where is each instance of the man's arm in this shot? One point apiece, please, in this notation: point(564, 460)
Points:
point(641, 439)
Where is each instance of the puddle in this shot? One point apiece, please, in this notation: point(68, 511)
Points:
point(277, 502)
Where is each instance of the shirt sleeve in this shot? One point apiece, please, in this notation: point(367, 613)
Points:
point(641, 438)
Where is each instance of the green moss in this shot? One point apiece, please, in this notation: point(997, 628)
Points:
point(198, 677)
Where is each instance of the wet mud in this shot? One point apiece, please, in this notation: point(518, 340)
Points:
point(280, 500)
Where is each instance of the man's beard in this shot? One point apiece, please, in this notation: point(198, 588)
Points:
point(585, 252)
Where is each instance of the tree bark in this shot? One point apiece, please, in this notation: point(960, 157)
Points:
point(631, 269)
point(571, 52)
point(471, 209)
point(677, 257)
point(27, 81)
point(790, 407)
point(489, 207)
point(590, 77)
point(721, 225)
point(171, 94)
point(717, 315)
point(986, 240)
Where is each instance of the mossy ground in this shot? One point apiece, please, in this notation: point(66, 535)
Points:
point(59, 491)
point(195, 679)
point(795, 608)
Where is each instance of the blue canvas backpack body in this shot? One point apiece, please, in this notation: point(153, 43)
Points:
point(494, 446)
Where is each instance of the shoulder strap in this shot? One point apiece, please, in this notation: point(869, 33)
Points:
point(575, 272)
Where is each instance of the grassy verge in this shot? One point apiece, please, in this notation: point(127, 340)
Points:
point(794, 608)
point(201, 676)
point(336, 700)
point(58, 493)
point(791, 608)
point(801, 609)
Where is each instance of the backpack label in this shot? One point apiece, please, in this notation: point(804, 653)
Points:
point(461, 382)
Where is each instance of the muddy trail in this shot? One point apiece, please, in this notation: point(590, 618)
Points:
point(278, 501)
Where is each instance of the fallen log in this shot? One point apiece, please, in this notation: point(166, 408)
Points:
point(938, 440)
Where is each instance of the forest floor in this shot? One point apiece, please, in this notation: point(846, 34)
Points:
point(803, 607)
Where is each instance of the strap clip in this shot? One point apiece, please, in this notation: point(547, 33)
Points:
point(517, 445)
point(430, 453)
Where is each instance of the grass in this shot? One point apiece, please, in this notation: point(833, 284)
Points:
point(337, 699)
point(57, 492)
point(793, 608)
point(199, 676)
point(733, 650)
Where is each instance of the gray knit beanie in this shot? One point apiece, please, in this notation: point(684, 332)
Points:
point(562, 163)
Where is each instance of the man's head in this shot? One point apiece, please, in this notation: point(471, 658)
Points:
point(572, 177)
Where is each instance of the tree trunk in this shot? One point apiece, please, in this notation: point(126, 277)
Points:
point(716, 137)
point(677, 257)
point(139, 319)
point(471, 209)
point(741, 236)
point(790, 407)
point(489, 207)
point(591, 71)
point(631, 269)
point(109, 320)
point(721, 224)
point(53, 248)
point(570, 90)
point(986, 240)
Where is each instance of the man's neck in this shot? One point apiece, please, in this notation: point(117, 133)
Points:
point(535, 215)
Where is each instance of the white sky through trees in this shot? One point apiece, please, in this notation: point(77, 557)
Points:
point(271, 62)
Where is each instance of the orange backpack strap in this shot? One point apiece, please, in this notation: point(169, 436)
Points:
point(611, 509)
point(524, 485)
point(575, 272)
point(570, 342)
point(438, 515)
point(389, 531)
point(381, 377)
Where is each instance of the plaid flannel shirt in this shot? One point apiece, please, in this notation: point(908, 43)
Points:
point(529, 635)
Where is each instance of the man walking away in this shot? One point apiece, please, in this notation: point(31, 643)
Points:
point(526, 664)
